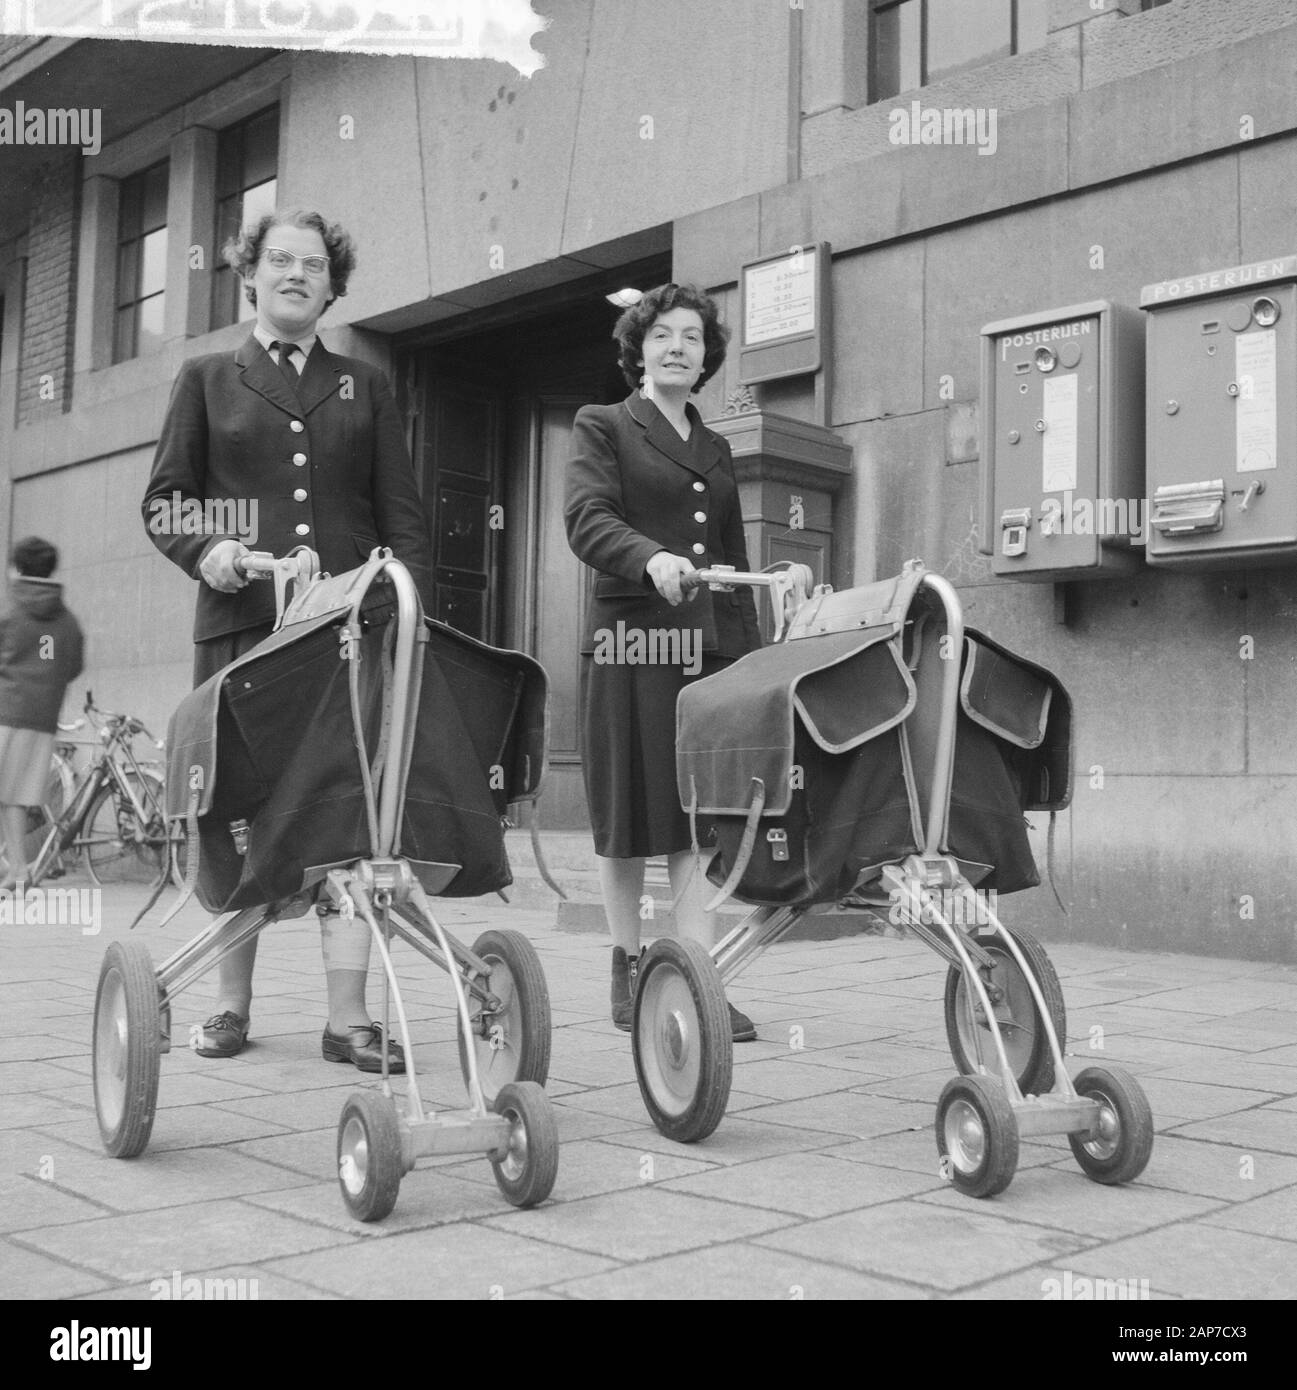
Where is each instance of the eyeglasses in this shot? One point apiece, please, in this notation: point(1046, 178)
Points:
point(278, 259)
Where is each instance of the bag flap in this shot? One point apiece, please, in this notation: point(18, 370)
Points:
point(1004, 695)
point(882, 604)
point(846, 687)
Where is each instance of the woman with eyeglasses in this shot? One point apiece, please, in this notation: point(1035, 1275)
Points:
point(651, 499)
point(309, 449)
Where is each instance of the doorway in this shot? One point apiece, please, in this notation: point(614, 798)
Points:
point(492, 414)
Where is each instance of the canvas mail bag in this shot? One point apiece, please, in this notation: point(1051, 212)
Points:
point(266, 756)
point(812, 760)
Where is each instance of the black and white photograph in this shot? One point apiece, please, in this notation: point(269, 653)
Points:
point(649, 653)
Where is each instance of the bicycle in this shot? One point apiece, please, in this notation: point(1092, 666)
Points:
point(115, 818)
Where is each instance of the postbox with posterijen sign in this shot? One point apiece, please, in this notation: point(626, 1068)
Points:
point(1222, 416)
point(1062, 443)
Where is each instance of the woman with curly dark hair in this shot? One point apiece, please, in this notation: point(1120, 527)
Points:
point(304, 448)
point(651, 498)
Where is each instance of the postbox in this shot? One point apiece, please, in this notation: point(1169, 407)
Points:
point(1062, 443)
point(1222, 416)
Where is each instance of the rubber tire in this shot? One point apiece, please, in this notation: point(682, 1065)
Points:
point(711, 1037)
point(531, 1110)
point(1134, 1117)
point(1000, 1135)
point(375, 1115)
point(524, 1055)
point(125, 1127)
point(133, 863)
point(1037, 1073)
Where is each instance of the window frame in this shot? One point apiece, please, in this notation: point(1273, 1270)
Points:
point(220, 289)
point(134, 245)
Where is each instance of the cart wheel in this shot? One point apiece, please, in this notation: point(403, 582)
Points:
point(1026, 1041)
point(681, 1038)
point(370, 1166)
point(127, 1048)
point(525, 1171)
point(512, 1044)
point(1118, 1148)
point(977, 1135)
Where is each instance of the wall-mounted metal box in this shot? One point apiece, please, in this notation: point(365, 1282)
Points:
point(1222, 416)
point(1062, 442)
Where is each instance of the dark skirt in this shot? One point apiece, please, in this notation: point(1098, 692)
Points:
point(628, 759)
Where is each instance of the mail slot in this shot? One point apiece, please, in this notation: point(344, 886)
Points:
point(1062, 443)
point(1222, 416)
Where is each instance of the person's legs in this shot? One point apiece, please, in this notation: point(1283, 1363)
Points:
point(350, 1036)
point(13, 821)
point(689, 889)
point(622, 881)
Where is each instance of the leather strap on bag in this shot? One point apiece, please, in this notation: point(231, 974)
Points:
point(746, 846)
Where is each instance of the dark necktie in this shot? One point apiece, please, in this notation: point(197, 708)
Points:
point(286, 368)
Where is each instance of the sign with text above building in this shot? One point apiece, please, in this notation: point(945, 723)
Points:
point(785, 304)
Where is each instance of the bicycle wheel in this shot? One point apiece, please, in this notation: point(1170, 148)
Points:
point(118, 846)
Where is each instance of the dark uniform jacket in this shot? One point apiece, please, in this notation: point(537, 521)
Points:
point(634, 487)
point(326, 466)
point(41, 650)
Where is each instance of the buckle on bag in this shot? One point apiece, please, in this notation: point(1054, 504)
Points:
point(777, 839)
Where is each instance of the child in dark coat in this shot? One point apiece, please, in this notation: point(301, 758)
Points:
point(41, 650)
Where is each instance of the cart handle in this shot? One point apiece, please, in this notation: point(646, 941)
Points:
point(789, 587)
point(299, 567)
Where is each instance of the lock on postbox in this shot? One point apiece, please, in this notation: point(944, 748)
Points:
point(1062, 435)
point(1222, 416)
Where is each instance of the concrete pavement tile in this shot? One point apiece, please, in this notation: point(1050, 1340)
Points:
point(1199, 1262)
point(429, 1197)
point(945, 1249)
point(22, 1078)
point(1231, 1172)
point(463, 1261)
point(174, 1090)
point(25, 1112)
point(141, 1246)
point(1194, 1101)
point(164, 1179)
point(895, 1057)
point(625, 1102)
point(1240, 1071)
point(575, 1123)
point(1066, 1200)
point(1273, 1130)
point(19, 1022)
point(1275, 1214)
point(1285, 1056)
point(832, 1028)
point(231, 1283)
point(309, 1110)
point(638, 1225)
point(849, 1113)
point(1149, 1054)
point(774, 1017)
point(737, 1140)
point(1225, 1001)
point(309, 1152)
point(41, 1047)
point(925, 1086)
point(27, 1202)
point(604, 1068)
point(581, 1039)
point(916, 1152)
point(27, 1274)
point(185, 1127)
point(1230, 1035)
point(1286, 1103)
point(278, 1073)
point(806, 1184)
point(1130, 1017)
point(736, 1271)
point(780, 1080)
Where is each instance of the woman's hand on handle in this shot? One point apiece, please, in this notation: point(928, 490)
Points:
point(671, 575)
point(219, 567)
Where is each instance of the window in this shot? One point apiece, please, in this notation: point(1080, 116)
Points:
point(141, 264)
point(246, 161)
point(915, 42)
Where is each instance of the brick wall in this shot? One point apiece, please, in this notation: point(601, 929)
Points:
point(45, 366)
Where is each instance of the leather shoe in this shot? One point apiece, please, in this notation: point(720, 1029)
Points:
point(742, 1028)
point(223, 1036)
point(362, 1047)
